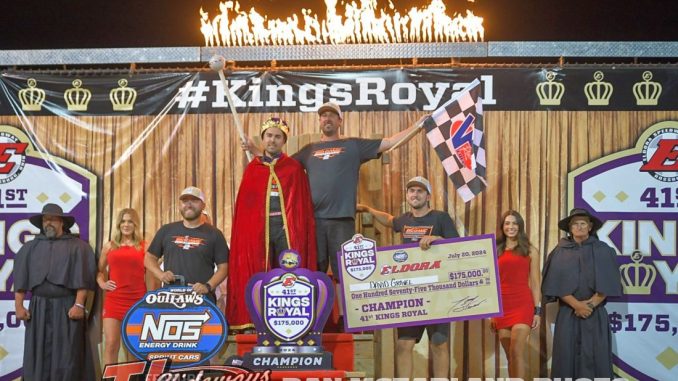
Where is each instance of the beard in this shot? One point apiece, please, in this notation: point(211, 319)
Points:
point(190, 214)
point(329, 129)
point(50, 231)
point(417, 205)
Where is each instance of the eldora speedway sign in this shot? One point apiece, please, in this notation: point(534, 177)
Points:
point(635, 193)
point(174, 323)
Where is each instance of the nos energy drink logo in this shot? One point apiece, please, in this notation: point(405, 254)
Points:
point(174, 323)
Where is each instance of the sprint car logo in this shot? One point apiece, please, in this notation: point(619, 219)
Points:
point(328, 153)
point(174, 323)
point(187, 242)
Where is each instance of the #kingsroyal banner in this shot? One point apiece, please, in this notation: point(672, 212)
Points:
point(29, 179)
point(635, 193)
point(456, 279)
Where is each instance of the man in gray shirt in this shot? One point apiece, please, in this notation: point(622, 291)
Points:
point(190, 247)
point(333, 167)
point(424, 226)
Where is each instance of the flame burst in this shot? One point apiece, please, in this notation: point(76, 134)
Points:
point(359, 24)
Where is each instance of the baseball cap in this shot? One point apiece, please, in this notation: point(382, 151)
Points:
point(420, 181)
point(193, 191)
point(330, 106)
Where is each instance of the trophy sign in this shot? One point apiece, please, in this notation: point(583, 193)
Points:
point(289, 307)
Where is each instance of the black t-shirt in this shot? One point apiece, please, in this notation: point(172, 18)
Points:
point(191, 252)
point(333, 169)
point(434, 222)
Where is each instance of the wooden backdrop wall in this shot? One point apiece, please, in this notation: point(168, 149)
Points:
point(529, 154)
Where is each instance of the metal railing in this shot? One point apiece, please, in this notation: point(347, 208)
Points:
point(502, 50)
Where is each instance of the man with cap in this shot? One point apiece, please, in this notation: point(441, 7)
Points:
point(333, 167)
point(273, 212)
point(425, 226)
point(580, 274)
point(58, 269)
point(191, 248)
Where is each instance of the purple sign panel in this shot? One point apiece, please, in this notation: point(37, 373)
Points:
point(456, 279)
point(635, 193)
point(29, 179)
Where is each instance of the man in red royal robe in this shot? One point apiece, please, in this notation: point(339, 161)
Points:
point(273, 212)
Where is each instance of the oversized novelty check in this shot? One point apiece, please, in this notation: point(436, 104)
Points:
point(396, 286)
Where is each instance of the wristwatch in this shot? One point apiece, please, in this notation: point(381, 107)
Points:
point(209, 286)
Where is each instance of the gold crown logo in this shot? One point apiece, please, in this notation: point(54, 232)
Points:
point(598, 93)
point(31, 98)
point(123, 97)
point(550, 93)
point(647, 93)
point(637, 278)
point(77, 98)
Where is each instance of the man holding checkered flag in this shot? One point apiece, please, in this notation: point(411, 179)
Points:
point(455, 131)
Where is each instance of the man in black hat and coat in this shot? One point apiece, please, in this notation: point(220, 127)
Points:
point(581, 273)
point(58, 269)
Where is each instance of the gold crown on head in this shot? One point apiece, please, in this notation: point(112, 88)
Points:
point(550, 93)
point(647, 93)
point(77, 98)
point(275, 122)
point(123, 97)
point(31, 98)
point(637, 278)
point(598, 93)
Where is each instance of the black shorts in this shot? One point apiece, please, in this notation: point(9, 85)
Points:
point(437, 333)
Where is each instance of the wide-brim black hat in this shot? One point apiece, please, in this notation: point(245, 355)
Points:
point(564, 224)
point(52, 210)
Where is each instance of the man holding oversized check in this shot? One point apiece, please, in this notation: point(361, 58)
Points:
point(422, 225)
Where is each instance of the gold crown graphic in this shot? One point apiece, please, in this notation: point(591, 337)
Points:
point(31, 98)
point(598, 93)
point(123, 97)
point(550, 93)
point(637, 278)
point(77, 98)
point(647, 93)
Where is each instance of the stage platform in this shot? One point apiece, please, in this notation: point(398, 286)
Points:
point(353, 355)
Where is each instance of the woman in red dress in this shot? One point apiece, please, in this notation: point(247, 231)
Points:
point(122, 276)
point(519, 278)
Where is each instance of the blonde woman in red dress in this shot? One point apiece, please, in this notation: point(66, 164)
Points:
point(123, 278)
point(520, 290)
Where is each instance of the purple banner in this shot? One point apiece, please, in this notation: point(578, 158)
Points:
point(635, 193)
point(29, 179)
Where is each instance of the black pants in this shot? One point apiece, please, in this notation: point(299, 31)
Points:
point(277, 240)
point(331, 233)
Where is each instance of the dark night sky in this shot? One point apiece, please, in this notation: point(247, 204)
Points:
point(32, 24)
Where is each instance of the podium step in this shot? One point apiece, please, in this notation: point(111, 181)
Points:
point(353, 354)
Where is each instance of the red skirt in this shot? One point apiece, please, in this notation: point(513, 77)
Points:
point(116, 307)
point(518, 309)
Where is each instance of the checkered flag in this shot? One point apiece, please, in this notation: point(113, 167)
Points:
point(455, 131)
